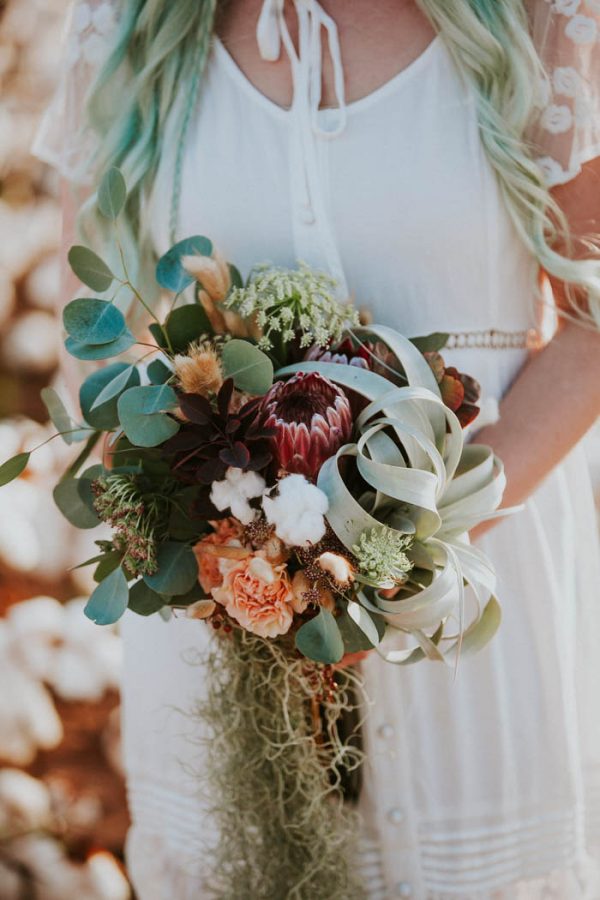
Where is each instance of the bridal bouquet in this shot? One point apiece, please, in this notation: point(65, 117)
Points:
point(300, 482)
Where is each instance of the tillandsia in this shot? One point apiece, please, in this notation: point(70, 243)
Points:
point(299, 483)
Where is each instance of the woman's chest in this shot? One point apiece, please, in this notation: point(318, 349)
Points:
point(402, 200)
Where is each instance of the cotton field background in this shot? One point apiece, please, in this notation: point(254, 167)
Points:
point(63, 816)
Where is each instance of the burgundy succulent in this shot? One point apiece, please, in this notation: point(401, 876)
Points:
point(215, 436)
point(311, 419)
point(459, 392)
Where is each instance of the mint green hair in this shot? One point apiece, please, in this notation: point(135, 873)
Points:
point(163, 46)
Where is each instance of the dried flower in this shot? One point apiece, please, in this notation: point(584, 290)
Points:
point(297, 512)
point(199, 371)
point(311, 419)
point(338, 567)
point(306, 592)
point(284, 302)
point(380, 556)
point(201, 609)
point(459, 392)
point(212, 272)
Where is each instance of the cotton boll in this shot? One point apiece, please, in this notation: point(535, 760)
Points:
point(74, 676)
point(28, 718)
point(106, 878)
point(39, 615)
point(43, 283)
point(297, 512)
point(234, 492)
point(24, 802)
point(32, 343)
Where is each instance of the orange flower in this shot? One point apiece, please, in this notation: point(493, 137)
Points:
point(226, 533)
point(259, 597)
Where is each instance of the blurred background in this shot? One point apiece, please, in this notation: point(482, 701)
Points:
point(63, 815)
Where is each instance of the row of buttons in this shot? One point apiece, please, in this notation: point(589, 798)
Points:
point(395, 815)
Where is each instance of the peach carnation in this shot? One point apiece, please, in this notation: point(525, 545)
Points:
point(226, 534)
point(263, 605)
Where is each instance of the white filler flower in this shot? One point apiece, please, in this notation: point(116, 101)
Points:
point(297, 512)
point(234, 492)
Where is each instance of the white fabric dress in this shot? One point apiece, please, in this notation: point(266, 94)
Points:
point(483, 787)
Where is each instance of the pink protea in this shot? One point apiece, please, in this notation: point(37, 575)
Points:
point(312, 419)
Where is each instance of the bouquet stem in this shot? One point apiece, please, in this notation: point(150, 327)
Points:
point(272, 774)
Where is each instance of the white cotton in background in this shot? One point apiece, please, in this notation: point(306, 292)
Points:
point(32, 343)
point(106, 878)
point(25, 802)
point(28, 718)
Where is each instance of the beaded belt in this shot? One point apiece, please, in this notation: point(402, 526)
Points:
point(529, 339)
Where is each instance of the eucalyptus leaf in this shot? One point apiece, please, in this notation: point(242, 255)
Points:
point(98, 395)
point(144, 601)
point(177, 569)
point(84, 484)
point(185, 325)
point(13, 467)
point(109, 601)
point(250, 368)
point(158, 372)
point(61, 419)
point(72, 506)
point(112, 193)
point(320, 638)
point(142, 414)
point(93, 321)
point(90, 268)
point(80, 350)
point(170, 274)
point(121, 381)
point(107, 564)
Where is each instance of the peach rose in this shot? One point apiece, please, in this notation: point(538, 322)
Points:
point(258, 596)
point(226, 533)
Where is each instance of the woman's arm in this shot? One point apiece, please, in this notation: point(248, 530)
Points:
point(556, 397)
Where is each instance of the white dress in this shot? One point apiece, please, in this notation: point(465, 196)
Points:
point(486, 787)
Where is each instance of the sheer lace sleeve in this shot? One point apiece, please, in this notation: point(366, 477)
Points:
point(566, 132)
point(61, 139)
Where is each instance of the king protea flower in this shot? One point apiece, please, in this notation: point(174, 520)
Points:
point(312, 419)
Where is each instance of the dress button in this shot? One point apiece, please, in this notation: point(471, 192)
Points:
point(307, 216)
point(386, 730)
point(396, 815)
point(404, 889)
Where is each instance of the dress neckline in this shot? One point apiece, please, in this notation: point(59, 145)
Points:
point(400, 79)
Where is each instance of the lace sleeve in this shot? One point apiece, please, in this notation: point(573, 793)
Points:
point(566, 131)
point(61, 139)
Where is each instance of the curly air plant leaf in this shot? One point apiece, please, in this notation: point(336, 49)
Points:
point(420, 479)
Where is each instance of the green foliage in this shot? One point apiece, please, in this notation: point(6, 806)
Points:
point(158, 373)
point(144, 601)
point(61, 419)
point(319, 639)
point(185, 325)
point(13, 467)
point(93, 321)
point(170, 274)
point(142, 414)
point(109, 600)
point(72, 505)
point(431, 343)
point(98, 395)
point(100, 351)
point(250, 368)
point(177, 569)
point(90, 268)
point(360, 630)
point(107, 564)
point(112, 194)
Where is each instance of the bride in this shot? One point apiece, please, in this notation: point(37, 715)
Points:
point(429, 154)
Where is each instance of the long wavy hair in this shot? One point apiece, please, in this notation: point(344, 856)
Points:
point(164, 47)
